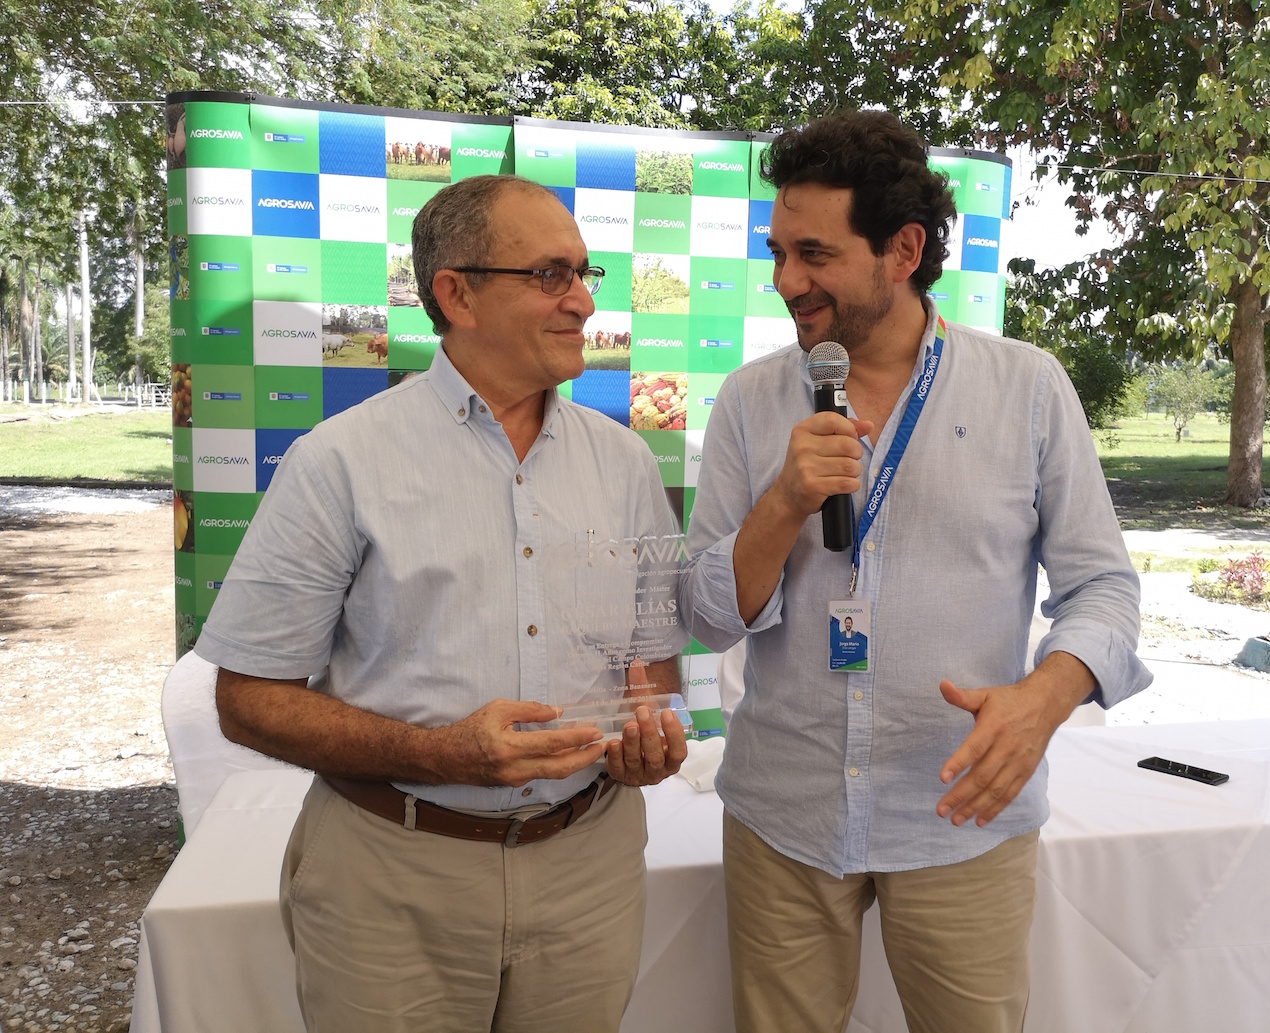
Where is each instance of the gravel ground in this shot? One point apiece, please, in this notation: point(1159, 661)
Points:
point(87, 802)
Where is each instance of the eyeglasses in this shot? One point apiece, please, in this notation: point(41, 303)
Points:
point(554, 279)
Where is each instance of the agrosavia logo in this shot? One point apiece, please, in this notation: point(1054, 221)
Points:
point(216, 134)
point(981, 242)
point(272, 460)
point(729, 227)
point(417, 338)
point(763, 230)
point(218, 201)
point(303, 204)
point(660, 342)
point(301, 334)
point(353, 209)
point(480, 152)
point(606, 220)
point(408, 213)
point(663, 224)
point(225, 460)
point(721, 166)
point(222, 522)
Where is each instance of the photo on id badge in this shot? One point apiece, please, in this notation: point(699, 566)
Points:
point(848, 635)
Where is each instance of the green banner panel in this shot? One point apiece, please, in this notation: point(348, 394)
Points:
point(718, 286)
point(481, 150)
point(663, 223)
point(217, 135)
point(667, 447)
point(412, 342)
point(222, 518)
point(715, 343)
point(288, 397)
point(405, 198)
point(224, 396)
point(182, 459)
point(209, 572)
point(721, 168)
point(220, 268)
point(284, 139)
point(287, 268)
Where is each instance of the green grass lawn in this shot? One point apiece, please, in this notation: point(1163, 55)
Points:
point(1156, 480)
point(133, 446)
point(419, 173)
point(614, 358)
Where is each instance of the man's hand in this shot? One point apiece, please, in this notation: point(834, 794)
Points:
point(822, 459)
point(643, 756)
point(1013, 726)
point(485, 749)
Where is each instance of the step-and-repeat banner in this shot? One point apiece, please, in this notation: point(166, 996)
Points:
point(293, 293)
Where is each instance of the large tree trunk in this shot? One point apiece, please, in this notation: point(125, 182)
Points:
point(85, 309)
point(1248, 403)
point(70, 343)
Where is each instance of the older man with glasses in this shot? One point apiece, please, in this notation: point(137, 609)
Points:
point(381, 625)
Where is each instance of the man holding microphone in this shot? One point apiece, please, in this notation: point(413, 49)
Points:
point(914, 774)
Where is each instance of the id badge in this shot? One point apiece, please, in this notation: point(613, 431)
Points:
point(848, 635)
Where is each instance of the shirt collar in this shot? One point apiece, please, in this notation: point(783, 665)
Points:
point(461, 401)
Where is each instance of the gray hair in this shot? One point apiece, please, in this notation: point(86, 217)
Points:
point(455, 229)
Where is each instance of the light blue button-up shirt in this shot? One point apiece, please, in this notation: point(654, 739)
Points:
point(841, 771)
point(399, 554)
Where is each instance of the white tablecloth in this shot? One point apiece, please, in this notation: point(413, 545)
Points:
point(1153, 902)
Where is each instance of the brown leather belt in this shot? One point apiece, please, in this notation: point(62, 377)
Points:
point(387, 801)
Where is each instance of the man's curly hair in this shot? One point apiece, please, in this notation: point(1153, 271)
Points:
point(883, 163)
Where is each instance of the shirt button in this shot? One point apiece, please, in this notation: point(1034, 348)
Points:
point(532, 630)
point(481, 408)
point(859, 695)
point(462, 412)
point(869, 546)
point(853, 772)
point(874, 473)
point(526, 791)
point(527, 551)
point(520, 479)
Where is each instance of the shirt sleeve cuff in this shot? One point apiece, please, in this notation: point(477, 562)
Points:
point(1115, 667)
point(712, 587)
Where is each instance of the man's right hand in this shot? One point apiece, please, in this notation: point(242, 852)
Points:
point(823, 459)
point(485, 749)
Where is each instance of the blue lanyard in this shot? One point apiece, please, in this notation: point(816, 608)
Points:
point(916, 402)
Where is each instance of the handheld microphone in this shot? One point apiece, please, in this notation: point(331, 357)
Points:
point(829, 365)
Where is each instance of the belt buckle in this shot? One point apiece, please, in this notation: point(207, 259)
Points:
point(513, 831)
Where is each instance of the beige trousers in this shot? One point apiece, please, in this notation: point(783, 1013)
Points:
point(956, 938)
point(399, 931)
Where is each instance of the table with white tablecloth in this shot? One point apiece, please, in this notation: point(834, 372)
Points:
point(1153, 902)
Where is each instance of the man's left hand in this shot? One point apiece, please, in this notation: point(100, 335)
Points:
point(1013, 726)
point(644, 756)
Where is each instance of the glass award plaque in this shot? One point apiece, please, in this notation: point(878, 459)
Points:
point(615, 629)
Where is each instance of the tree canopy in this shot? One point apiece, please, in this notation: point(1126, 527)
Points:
point(1159, 114)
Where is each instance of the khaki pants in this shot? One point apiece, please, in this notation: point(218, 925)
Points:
point(399, 931)
point(956, 938)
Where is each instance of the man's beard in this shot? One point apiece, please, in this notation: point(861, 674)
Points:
point(852, 323)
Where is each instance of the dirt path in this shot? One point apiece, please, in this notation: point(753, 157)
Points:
point(87, 805)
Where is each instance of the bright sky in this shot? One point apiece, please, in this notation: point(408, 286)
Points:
point(1043, 227)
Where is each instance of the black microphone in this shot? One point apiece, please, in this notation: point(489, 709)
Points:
point(829, 365)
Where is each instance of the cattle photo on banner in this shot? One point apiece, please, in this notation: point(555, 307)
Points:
point(293, 293)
